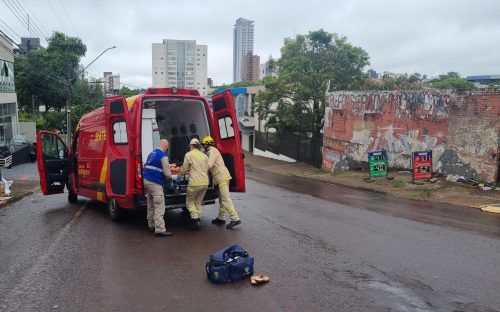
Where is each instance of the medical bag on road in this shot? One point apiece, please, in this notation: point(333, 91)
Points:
point(229, 265)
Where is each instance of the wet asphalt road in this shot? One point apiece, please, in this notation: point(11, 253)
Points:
point(326, 248)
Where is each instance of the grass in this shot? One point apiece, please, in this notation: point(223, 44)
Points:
point(426, 191)
point(398, 183)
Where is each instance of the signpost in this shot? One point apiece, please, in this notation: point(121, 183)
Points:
point(377, 161)
point(422, 165)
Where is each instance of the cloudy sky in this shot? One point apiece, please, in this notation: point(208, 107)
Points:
point(402, 36)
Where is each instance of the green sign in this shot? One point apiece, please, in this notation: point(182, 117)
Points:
point(377, 161)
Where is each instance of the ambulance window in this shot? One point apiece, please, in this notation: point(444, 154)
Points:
point(120, 132)
point(226, 127)
point(52, 146)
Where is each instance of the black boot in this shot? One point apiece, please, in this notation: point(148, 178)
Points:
point(164, 234)
point(195, 224)
point(232, 224)
point(218, 221)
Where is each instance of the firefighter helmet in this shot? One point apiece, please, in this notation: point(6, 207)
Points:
point(208, 140)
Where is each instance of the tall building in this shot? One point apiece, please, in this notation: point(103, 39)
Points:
point(111, 82)
point(181, 64)
point(242, 45)
point(27, 45)
point(9, 125)
point(250, 68)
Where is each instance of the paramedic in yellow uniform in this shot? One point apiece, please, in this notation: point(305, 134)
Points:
point(221, 178)
point(196, 162)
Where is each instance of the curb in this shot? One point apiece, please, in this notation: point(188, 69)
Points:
point(15, 199)
point(362, 188)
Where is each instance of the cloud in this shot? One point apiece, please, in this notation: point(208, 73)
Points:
point(430, 37)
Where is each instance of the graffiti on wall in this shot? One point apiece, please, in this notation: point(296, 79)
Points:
point(460, 129)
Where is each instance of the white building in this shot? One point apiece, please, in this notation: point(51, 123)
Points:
point(111, 82)
point(242, 45)
point(266, 71)
point(181, 64)
point(9, 125)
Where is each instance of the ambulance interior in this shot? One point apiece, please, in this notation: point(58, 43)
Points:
point(176, 119)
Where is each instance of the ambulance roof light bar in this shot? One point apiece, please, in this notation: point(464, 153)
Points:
point(174, 90)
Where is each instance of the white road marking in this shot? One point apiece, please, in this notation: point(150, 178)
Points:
point(41, 261)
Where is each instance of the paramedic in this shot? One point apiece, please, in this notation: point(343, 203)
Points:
point(221, 177)
point(197, 164)
point(156, 175)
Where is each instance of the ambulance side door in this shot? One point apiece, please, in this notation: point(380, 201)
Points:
point(53, 162)
point(118, 152)
point(227, 137)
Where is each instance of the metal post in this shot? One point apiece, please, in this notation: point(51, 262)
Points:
point(68, 102)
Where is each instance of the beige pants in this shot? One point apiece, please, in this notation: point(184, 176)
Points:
point(194, 199)
point(156, 205)
point(225, 202)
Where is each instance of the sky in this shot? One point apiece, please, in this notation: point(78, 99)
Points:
point(401, 36)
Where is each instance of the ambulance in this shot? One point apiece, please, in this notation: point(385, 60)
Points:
point(105, 159)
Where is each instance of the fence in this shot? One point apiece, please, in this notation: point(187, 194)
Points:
point(300, 148)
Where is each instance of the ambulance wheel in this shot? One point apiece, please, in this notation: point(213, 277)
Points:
point(72, 197)
point(114, 210)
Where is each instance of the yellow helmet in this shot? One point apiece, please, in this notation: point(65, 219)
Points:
point(208, 140)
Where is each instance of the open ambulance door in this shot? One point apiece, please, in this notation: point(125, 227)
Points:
point(227, 135)
point(118, 153)
point(53, 162)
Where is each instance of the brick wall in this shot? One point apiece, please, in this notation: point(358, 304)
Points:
point(462, 129)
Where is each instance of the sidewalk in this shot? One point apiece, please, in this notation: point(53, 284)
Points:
point(26, 181)
point(441, 191)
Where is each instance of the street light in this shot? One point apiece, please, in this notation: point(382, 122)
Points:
point(68, 102)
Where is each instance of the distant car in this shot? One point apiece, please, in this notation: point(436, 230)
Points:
point(19, 140)
point(5, 157)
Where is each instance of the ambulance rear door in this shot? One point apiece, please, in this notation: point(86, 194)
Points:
point(119, 138)
point(227, 137)
point(53, 162)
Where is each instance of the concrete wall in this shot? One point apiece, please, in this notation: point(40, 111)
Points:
point(462, 129)
point(28, 129)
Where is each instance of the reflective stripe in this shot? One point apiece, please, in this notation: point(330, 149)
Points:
point(198, 182)
point(153, 168)
point(223, 184)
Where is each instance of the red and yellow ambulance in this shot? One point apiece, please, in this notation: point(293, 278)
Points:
point(111, 144)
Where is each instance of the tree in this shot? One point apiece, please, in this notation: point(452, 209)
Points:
point(47, 73)
point(127, 92)
point(295, 99)
point(453, 83)
point(392, 81)
point(451, 80)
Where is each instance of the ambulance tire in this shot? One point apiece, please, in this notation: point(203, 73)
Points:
point(114, 210)
point(72, 197)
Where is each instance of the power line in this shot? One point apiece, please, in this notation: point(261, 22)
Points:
point(69, 19)
point(23, 14)
point(57, 16)
point(9, 28)
point(34, 23)
point(42, 30)
point(17, 14)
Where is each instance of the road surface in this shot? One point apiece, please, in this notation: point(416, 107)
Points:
point(325, 247)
